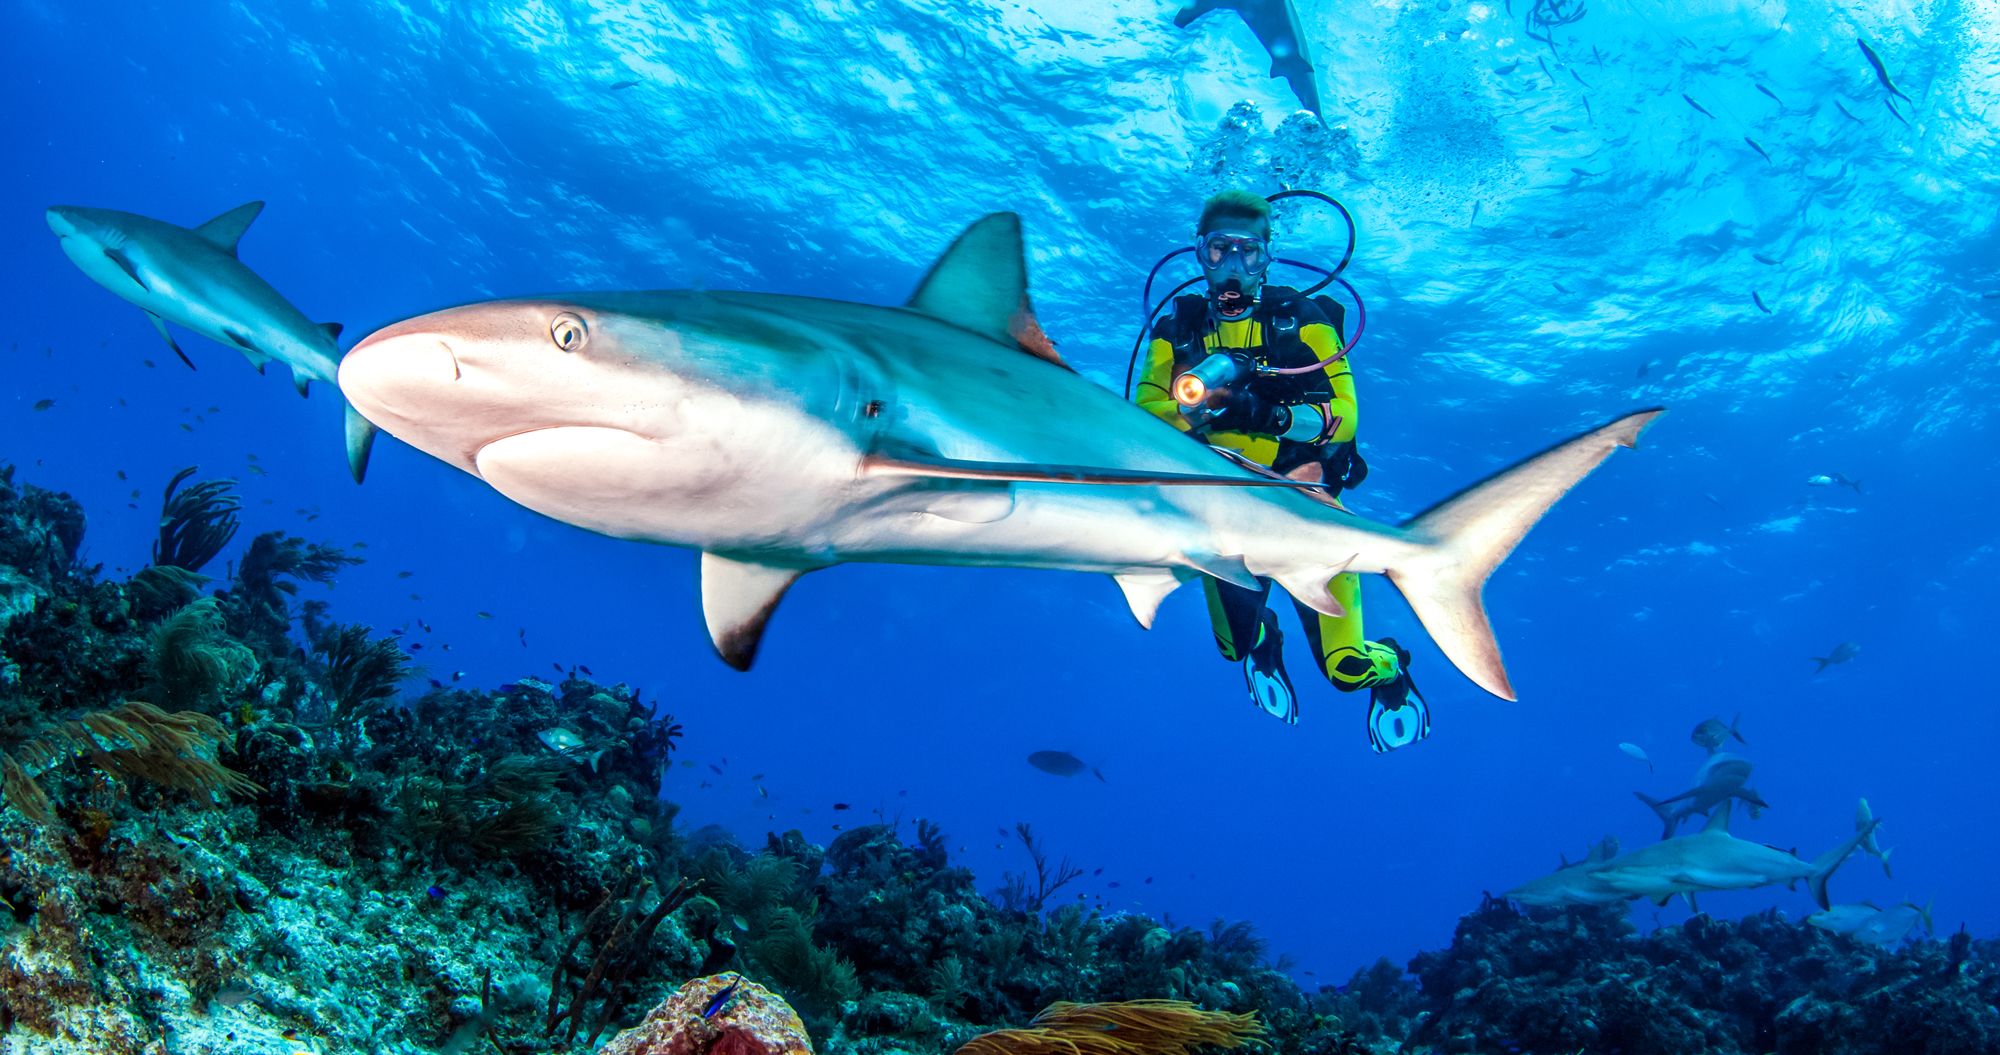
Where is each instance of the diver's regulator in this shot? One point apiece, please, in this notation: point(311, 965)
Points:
point(1202, 390)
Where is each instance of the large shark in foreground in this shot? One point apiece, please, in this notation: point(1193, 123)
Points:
point(778, 435)
point(192, 277)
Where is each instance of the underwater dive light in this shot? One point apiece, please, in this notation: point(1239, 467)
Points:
point(1219, 371)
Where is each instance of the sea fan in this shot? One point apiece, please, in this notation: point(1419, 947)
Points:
point(137, 741)
point(196, 523)
point(1129, 1027)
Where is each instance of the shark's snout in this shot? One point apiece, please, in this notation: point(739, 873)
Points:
point(59, 221)
point(397, 372)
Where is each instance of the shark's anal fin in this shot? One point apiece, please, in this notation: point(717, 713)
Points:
point(933, 467)
point(226, 230)
point(1145, 589)
point(160, 324)
point(737, 599)
point(124, 262)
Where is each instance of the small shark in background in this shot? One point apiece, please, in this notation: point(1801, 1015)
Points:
point(1713, 859)
point(1719, 779)
point(192, 277)
point(1276, 23)
point(1841, 653)
point(1833, 480)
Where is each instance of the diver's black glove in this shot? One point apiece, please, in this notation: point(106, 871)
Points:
point(1248, 411)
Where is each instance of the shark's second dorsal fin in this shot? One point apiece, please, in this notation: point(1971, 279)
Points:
point(226, 230)
point(1719, 820)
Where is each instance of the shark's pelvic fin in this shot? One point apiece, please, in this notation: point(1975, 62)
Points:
point(1145, 589)
point(301, 382)
point(1470, 533)
point(160, 324)
point(981, 282)
point(909, 463)
point(737, 599)
point(226, 230)
point(1230, 569)
point(360, 440)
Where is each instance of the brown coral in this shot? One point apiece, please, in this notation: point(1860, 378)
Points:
point(752, 1021)
point(1129, 1027)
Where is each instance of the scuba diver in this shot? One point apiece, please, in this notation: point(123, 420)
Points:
point(1260, 371)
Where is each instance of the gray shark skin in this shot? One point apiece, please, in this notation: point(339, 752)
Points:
point(1719, 779)
point(191, 277)
point(1572, 884)
point(1713, 859)
point(1276, 23)
point(780, 434)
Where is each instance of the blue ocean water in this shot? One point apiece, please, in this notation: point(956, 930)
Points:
point(1533, 265)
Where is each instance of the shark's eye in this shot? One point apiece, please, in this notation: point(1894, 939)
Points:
point(568, 331)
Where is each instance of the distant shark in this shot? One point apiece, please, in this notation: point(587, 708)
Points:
point(1719, 779)
point(192, 277)
point(1713, 859)
point(779, 435)
point(1276, 24)
point(1573, 884)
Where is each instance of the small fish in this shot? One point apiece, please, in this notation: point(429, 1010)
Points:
point(1560, 288)
point(558, 667)
point(762, 793)
point(404, 574)
point(1895, 113)
point(1714, 501)
point(842, 806)
point(619, 87)
point(1881, 74)
point(44, 404)
point(1764, 260)
point(756, 776)
point(586, 671)
point(457, 675)
point(1507, 69)
point(1475, 215)
point(1841, 653)
point(1563, 129)
point(1711, 733)
point(1637, 752)
point(1545, 69)
point(1098, 872)
point(716, 768)
point(484, 615)
point(1759, 300)
point(719, 1000)
point(1113, 884)
point(1587, 111)
point(687, 763)
point(1579, 80)
point(426, 627)
point(435, 892)
point(416, 646)
point(1758, 149)
point(436, 684)
point(1698, 107)
point(1773, 95)
point(121, 474)
point(1844, 112)
point(1833, 480)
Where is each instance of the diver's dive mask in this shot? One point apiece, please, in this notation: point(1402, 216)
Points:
point(1235, 263)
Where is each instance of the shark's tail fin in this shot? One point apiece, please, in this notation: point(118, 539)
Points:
point(1825, 865)
point(1469, 534)
point(360, 439)
point(1864, 817)
point(1823, 664)
point(1666, 814)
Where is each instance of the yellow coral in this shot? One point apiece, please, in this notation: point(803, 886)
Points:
point(1128, 1027)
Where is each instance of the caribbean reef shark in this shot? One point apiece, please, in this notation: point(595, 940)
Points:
point(192, 277)
point(782, 434)
point(1276, 23)
point(1713, 859)
point(1719, 779)
point(1572, 884)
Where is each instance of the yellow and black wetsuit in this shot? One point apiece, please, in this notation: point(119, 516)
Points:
point(1294, 334)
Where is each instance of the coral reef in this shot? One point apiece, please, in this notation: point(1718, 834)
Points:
point(226, 826)
point(724, 1014)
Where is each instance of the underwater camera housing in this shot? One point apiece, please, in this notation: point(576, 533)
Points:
point(1209, 374)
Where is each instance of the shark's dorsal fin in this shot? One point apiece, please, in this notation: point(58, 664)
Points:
point(737, 599)
point(226, 230)
point(331, 329)
point(981, 282)
point(1719, 820)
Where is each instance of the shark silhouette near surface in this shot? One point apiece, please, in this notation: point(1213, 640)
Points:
point(1276, 24)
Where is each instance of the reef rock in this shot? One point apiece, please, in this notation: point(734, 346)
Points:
point(751, 1020)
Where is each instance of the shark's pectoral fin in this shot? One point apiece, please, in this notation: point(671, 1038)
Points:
point(360, 440)
point(904, 463)
point(160, 324)
point(737, 599)
point(1145, 589)
point(226, 230)
point(125, 264)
